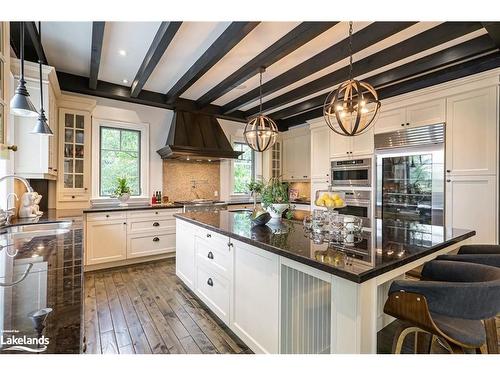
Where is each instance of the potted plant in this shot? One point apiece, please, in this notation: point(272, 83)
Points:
point(255, 187)
point(122, 191)
point(274, 198)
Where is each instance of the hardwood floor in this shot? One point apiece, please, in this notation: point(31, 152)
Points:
point(146, 309)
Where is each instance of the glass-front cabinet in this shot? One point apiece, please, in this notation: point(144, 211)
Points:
point(74, 151)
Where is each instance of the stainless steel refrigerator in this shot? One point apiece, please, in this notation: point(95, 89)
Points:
point(410, 175)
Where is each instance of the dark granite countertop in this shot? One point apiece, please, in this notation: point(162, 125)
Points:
point(42, 273)
point(130, 207)
point(389, 246)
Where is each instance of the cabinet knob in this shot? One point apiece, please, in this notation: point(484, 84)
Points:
point(407, 124)
point(448, 180)
point(55, 169)
point(72, 197)
point(156, 212)
point(156, 224)
point(209, 235)
point(107, 215)
point(124, 223)
point(210, 255)
point(230, 244)
point(448, 171)
point(12, 148)
point(402, 124)
point(156, 239)
point(210, 281)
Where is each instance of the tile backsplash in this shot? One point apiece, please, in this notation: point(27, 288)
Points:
point(304, 189)
point(184, 180)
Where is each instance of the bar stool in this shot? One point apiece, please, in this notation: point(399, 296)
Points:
point(479, 249)
point(449, 304)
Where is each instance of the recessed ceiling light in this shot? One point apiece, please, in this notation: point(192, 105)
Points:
point(125, 81)
point(122, 52)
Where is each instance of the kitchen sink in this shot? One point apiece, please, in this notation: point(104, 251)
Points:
point(35, 230)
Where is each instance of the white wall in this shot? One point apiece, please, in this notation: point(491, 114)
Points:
point(159, 120)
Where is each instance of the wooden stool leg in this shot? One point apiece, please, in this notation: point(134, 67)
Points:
point(491, 336)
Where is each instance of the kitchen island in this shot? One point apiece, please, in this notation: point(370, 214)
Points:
point(282, 291)
point(41, 284)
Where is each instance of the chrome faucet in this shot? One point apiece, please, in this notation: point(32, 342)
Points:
point(10, 212)
point(22, 179)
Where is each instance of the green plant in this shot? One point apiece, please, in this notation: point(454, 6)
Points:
point(275, 192)
point(122, 186)
point(255, 187)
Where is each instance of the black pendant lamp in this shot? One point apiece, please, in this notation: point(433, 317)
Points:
point(41, 126)
point(260, 131)
point(20, 104)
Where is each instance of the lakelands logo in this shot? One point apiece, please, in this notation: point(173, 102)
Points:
point(10, 342)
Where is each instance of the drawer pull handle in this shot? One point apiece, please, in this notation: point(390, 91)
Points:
point(156, 212)
point(107, 215)
point(209, 235)
point(210, 255)
point(156, 239)
point(156, 224)
point(210, 281)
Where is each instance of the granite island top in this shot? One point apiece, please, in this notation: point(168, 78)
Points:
point(42, 274)
point(390, 245)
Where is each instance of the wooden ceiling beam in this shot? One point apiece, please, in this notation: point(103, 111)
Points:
point(449, 73)
point(95, 52)
point(428, 39)
point(80, 85)
point(493, 29)
point(300, 35)
point(233, 34)
point(159, 45)
point(451, 55)
point(362, 39)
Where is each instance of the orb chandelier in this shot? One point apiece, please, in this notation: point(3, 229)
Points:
point(351, 109)
point(260, 131)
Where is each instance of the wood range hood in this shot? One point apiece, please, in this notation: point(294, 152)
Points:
point(194, 136)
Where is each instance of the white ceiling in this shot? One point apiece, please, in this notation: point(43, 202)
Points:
point(67, 46)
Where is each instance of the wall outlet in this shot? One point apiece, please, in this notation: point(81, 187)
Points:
point(216, 193)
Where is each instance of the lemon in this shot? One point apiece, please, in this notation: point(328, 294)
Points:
point(339, 202)
point(320, 202)
point(325, 196)
point(335, 196)
point(330, 203)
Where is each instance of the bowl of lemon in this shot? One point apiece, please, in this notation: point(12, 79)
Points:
point(330, 199)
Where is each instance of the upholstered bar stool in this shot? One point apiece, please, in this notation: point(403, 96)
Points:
point(479, 249)
point(450, 304)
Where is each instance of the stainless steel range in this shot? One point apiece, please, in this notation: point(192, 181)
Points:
point(197, 205)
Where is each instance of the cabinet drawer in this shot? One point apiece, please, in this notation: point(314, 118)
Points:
point(214, 290)
point(144, 245)
point(73, 197)
point(215, 257)
point(161, 224)
point(154, 214)
point(212, 238)
point(106, 216)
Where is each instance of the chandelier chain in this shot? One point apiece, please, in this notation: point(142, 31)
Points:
point(350, 50)
point(260, 93)
point(40, 65)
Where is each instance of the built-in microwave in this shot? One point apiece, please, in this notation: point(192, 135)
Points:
point(351, 172)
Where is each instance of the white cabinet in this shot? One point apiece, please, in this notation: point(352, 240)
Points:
point(471, 133)
point(343, 146)
point(296, 158)
point(106, 241)
point(185, 252)
point(255, 305)
point(320, 152)
point(426, 113)
point(143, 233)
point(36, 156)
point(471, 203)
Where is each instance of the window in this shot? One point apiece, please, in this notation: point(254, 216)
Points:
point(120, 153)
point(119, 150)
point(243, 168)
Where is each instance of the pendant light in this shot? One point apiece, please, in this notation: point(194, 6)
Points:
point(41, 126)
point(260, 131)
point(351, 109)
point(20, 104)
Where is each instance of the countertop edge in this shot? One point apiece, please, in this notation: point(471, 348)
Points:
point(361, 278)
